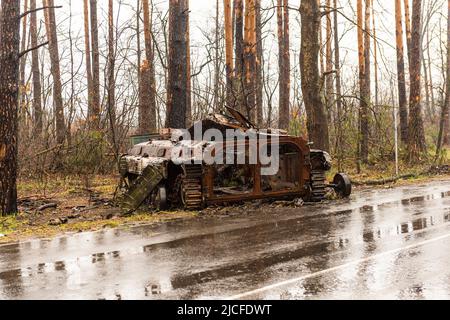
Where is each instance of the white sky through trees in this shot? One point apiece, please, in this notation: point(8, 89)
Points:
point(202, 18)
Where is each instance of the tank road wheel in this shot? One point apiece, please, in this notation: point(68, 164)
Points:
point(318, 185)
point(161, 202)
point(191, 188)
point(342, 185)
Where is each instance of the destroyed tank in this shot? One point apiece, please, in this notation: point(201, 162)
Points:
point(169, 170)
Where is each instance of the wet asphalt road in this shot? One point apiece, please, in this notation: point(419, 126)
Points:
point(385, 244)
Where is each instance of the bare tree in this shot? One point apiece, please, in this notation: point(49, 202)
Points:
point(401, 73)
point(87, 44)
point(95, 66)
point(408, 28)
point(337, 65)
point(111, 82)
point(229, 51)
point(37, 87)
point(9, 95)
point(258, 66)
point(250, 59)
point(417, 144)
point(23, 59)
point(284, 63)
point(443, 138)
point(178, 65)
point(329, 62)
point(50, 24)
point(309, 58)
point(147, 106)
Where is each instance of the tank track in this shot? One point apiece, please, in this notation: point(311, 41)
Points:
point(318, 185)
point(191, 189)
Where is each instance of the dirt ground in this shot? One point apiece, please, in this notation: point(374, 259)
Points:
point(62, 205)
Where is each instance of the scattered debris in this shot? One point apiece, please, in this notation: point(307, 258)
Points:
point(47, 206)
point(58, 221)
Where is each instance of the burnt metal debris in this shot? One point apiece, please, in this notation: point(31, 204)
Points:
point(150, 176)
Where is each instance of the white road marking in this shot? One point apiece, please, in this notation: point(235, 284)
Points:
point(319, 273)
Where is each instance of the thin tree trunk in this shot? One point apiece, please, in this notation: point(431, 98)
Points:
point(364, 110)
point(329, 64)
point(401, 74)
point(282, 124)
point(366, 92)
point(95, 67)
point(148, 94)
point(9, 95)
point(444, 139)
point(217, 58)
point(446, 107)
point(37, 88)
point(87, 46)
point(430, 78)
point(259, 57)
point(23, 61)
point(178, 65)
point(284, 64)
point(375, 57)
point(229, 51)
point(337, 63)
point(309, 58)
point(139, 60)
point(189, 116)
point(239, 54)
point(111, 101)
point(55, 70)
point(408, 29)
point(417, 144)
point(250, 59)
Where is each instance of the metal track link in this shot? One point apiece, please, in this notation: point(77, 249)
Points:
point(192, 191)
point(318, 185)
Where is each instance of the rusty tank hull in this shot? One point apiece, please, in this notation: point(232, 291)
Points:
point(150, 176)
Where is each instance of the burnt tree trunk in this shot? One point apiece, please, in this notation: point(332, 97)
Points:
point(250, 59)
point(147, 109)
point(446, 107)
point(111, 82)
point(417, 144)
point(23, 94)
point(9, 95)
point(189, 118)
point(364, 79)
point(259, 57)
point(95, 67)
point(402, 99)
point(443, 138)
point(178, 66)
point(87, 48)
point(239, 55)
point(337, 66)
point(309, 58)
point(229, 52)
point(55, 70)
point(35, 70)
point(329, 64)
point(408, 29)
point(284, 64)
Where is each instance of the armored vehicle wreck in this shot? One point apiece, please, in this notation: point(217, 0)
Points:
point(224, 159)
